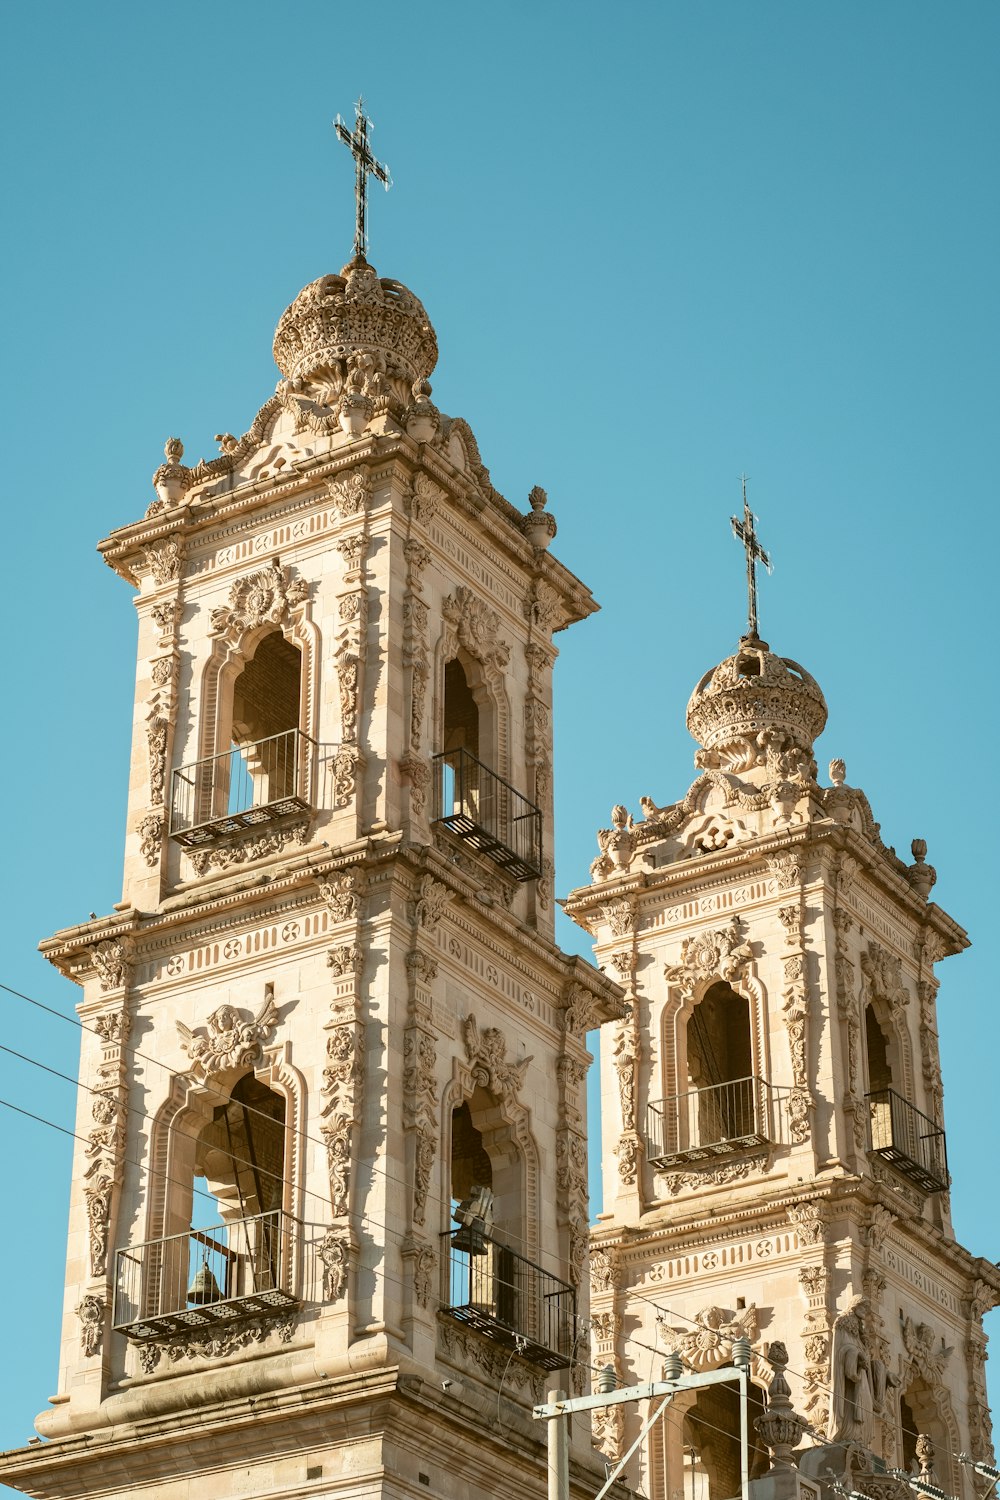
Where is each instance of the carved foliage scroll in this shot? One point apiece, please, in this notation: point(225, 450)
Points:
point(105, 1149)
point(344, 1069)
point(417, 660)
point(795, 1015)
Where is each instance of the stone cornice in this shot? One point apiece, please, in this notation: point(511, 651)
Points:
point(497, 517)
point(714, 871)
point(235, 903)
point(846, 1195)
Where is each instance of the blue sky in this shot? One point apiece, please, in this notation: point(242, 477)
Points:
point(661, 244)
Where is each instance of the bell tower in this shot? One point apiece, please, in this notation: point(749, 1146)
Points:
point(774, 1148)
point(329, 1214)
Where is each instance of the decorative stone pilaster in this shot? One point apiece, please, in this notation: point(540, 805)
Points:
point(164, 559)
point(414, 766)
point(342, 1088)
point(105, 1149)
point(795, 1014)
point(571, 1156)
point(607, 1422)
point(816, 1336)
point(849, 1012)
point(982, 1301)
point(351, 649)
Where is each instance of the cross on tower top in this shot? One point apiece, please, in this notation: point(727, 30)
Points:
point(744, 530)
point(365, 166)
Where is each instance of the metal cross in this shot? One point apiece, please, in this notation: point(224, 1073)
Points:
point(365, 166)
point(744, 530)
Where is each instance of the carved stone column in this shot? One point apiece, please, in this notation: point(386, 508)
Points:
point(342, 1089)
point(571, 1161)
point(815, 1281)
point(414, 764)
point(351, 495)
point(607, 1422)
point(164, 559)
point(421, 1094)
point(106, 1142)
point(795, 1012)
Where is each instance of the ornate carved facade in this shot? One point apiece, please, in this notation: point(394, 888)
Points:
point(773, 1128)
point(323, 1014)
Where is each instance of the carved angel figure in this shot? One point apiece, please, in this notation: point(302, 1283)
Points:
point(487, 1052)
point(710, 1344)
point(229, 1041)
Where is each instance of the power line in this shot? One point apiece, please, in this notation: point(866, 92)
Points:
point(440, 1199)
point(371, 1166)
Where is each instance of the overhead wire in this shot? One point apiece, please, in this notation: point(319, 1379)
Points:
point(388, 1278)
point(369, 1165)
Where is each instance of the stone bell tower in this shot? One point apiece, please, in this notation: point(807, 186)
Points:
point(773, 1127)
point(328, 1013)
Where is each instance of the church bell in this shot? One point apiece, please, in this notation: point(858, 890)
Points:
point(204, 1288)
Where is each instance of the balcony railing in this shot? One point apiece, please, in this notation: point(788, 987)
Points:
point(908, 1139)
point(241, 787)
point(207, 1277)
point(484, 810)
point(716, 1121)
point(510, 1300)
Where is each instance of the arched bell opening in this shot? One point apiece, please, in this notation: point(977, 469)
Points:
point(492, 1283)
point(237, 1234)
point(723, 1103)
point(878, 1049)
point(256, 762)
point(266, 717)
point(222, 1241)
point(461, 711)
point(710, 1443)
point(486, 1166)
point(922, 1414)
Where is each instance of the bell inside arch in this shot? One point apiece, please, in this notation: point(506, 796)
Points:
point(204, 1287)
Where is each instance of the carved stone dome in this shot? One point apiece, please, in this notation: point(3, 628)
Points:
point(338, 320)
point(756, 709)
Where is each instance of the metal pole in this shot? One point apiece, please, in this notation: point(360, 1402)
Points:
point(744, 1438)
point(558, 1468)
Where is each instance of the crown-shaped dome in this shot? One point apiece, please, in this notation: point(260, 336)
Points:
point(337, 319)
point(754, 709)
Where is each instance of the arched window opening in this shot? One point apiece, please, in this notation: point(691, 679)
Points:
point(471, 798)
point(471, 1167)
point(877, 1046)
point(266, 694)
point(484, 1157)
point(240, 1153)
point(259, 768)
point(492, 1285)
point(908, 1423)
point(723, 1103)
point(711, 1443)
point(461, 712)
point(225, 1245)
point(921, 1415)
point(236, 1244)
point(265, 759)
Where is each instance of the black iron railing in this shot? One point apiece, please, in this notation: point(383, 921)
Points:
point(242, 786)
point(207, 1277)
point(486, 811)
point(510, 1300)
point(910, 1140)
point(716, 1121)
